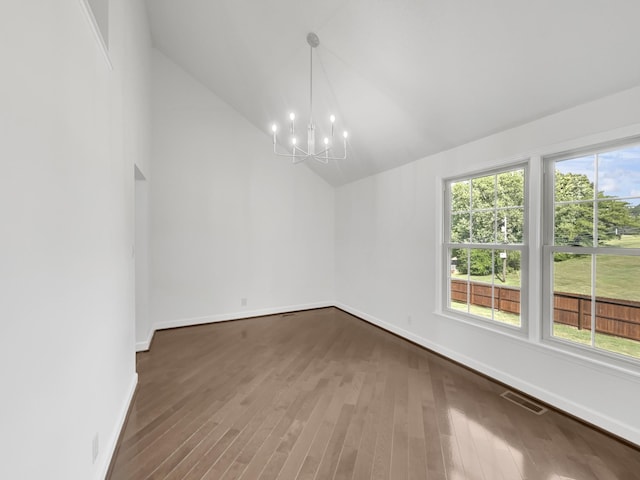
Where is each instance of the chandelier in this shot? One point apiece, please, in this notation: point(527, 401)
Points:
point(298, 153)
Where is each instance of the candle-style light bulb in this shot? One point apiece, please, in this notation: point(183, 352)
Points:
point(326, 141)
point(274, 128)
point(332, 118)
point(292, 116)
point(345, 135)
point(294, 141)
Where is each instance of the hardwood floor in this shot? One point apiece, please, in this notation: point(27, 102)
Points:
point(323, 395)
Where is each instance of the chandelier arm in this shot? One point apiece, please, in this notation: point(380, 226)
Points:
point(296, 148)
point(293, 156)
point(320, 156)
point(324, 153)
point(303, 155)
point(344, 157)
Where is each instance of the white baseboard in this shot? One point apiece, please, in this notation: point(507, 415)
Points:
point(115, 435)
point(569, 406)
point(144, 345)
point(186, 322)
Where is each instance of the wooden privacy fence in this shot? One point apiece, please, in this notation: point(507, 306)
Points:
point(506, 299)
point(613, 316)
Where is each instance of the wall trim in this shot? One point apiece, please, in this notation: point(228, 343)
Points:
point(144, 345)
point(93, 24)
point(105, 465)
point(187, 322)
point(582, 413)
point(551, 349)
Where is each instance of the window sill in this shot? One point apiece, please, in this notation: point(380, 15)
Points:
point(602, 362)
point(490, 325)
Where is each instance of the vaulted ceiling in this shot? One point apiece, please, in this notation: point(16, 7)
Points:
point(407, 78)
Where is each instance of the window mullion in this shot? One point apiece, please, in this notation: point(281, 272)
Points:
point(596, 242)
point(593, 300)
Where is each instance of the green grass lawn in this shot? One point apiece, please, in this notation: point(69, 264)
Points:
point(499, 316)
point(610, 343)
point(617, 275)
point(513, 279)
point(627, 241)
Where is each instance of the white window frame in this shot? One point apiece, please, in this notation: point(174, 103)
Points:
point(523, 248)
point(549, 248)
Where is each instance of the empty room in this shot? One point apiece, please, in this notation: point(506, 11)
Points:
point(349, 239)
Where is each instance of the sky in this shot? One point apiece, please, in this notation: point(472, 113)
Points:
point(618, 171)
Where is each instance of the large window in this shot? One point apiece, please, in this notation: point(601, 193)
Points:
point(592, 249)
point(485, 239)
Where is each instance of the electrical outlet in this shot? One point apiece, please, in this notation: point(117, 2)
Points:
point(243, 302)
point(95, 447)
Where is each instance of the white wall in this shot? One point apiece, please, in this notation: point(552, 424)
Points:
point(229, 220)
point(388, 238)
point(144, 331)
point(66, 203)
point(137, 135)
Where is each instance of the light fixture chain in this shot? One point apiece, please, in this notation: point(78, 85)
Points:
point(311, 84)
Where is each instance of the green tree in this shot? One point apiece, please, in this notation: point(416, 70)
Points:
point(572, 187)
point(574, 221)
point(481, 207)
point(479, 262)
point(615, 219)
point(490, 210)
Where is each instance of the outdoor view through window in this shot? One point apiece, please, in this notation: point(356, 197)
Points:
point(591, 220)
point(596, 250)
point(486, 226)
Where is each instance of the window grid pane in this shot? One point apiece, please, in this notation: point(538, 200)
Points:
point(617, 305)
point(484, 279)
point(595, 300)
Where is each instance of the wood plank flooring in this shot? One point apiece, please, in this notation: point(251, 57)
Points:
point(323, 395)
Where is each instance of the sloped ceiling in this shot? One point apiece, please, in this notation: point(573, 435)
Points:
point(407, 78)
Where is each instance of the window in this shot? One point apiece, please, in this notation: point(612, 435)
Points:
point(592, 249)
point(485, 241)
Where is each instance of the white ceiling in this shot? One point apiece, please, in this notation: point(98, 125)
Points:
point(407, 78)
